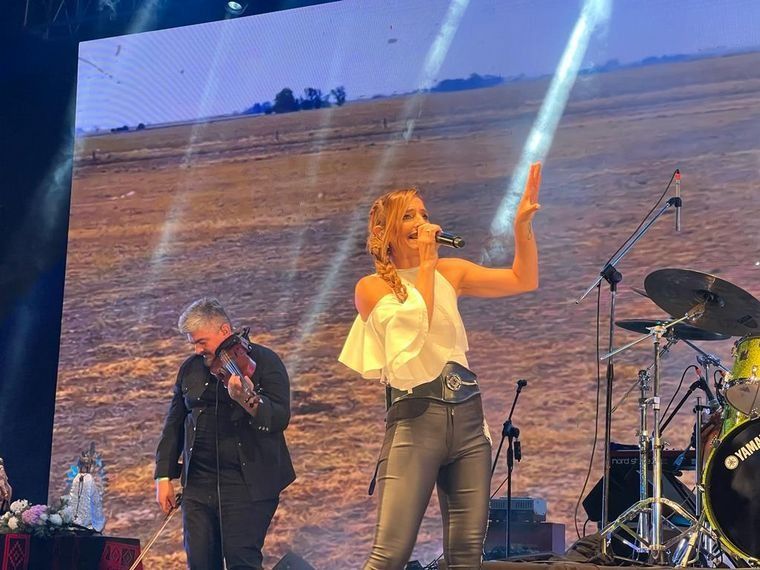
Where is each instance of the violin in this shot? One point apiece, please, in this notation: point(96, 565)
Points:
point(232, 359)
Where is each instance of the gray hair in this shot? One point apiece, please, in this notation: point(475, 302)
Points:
point(204, 311)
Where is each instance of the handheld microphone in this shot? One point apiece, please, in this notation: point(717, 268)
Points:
point(678, 201)
point(449, 239)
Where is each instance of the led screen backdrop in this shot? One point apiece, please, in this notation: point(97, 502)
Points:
point(195, 175)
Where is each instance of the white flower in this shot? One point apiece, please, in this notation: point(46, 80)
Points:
point(56, 519)
point(44, 517)
point(19, 505)
point(13, 523)
point(67, 514)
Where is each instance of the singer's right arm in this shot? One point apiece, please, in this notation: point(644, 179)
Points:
point(477, 281)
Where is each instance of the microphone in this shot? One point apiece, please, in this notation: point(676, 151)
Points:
point(448, 239)
point(712, 401)
point(678, 202)
point(522, 383)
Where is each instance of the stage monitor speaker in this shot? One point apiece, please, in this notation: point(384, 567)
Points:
point(526, 539)
point(292, 561)
point(624, 492)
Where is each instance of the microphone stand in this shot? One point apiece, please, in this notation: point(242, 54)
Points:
point(694, 385)
point(610, 274)
point(514, 451)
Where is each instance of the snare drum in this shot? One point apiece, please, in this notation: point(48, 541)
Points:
point(732, 487)
point(742, 390)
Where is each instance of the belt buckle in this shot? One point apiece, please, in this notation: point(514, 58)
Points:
point(453, 381)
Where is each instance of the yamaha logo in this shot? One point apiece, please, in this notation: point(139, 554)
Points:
point(743, 453)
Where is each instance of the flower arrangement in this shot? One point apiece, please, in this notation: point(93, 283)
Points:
point(38, 520)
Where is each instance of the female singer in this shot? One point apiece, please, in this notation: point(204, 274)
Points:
point(409, 334)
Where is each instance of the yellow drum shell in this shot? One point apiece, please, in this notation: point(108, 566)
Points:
point(742, 390)
point(725, 495)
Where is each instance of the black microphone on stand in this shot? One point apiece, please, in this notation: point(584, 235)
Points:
point(712, 401)
point(449, 239)
point(678, 202)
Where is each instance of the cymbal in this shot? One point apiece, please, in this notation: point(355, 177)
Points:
point(681, 330)
point(728, 309)
point(640, 292)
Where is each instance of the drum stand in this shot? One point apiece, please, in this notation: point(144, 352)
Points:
point(701, 536)
point(648, 537)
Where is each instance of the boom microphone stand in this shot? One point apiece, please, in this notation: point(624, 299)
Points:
point(514, 451)
point(610, 274)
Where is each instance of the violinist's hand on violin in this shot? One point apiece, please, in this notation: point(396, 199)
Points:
point(241, 389)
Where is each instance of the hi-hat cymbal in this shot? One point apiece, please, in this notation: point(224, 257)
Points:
point(728, 309)
point(681, 330)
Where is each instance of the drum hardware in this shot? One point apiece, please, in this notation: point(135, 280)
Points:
point(638, 382)
point(648, 537)
point(640, 292)
point(644, 378)
point(727, 514)
point(728, 309)
point(681, 331)
point(701, 536)
point(612, 276)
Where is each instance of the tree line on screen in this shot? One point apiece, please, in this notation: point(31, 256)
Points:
point(287, 102)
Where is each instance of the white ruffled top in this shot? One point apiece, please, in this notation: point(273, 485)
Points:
point(396, 345)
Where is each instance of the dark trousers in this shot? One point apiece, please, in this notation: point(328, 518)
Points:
point(429, 443)
point(244, 527)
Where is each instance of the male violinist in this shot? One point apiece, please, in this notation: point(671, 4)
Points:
point(235, 461)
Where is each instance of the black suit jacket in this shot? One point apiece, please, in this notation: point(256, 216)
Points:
point(263, 453)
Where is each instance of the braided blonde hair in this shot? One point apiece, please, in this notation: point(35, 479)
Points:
point(387, 212)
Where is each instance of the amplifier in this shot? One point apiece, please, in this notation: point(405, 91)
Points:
point(524, 509)
point(527, 539)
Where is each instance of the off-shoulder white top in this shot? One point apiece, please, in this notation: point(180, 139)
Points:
point(395, 343)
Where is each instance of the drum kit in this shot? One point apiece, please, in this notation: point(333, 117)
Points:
point(724, 527)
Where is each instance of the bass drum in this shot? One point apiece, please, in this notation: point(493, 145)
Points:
point(732, 490)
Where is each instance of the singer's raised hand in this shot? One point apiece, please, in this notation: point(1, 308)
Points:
point(475, 280)
point(529, 205)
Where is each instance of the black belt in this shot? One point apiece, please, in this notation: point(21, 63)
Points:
point(453, 385)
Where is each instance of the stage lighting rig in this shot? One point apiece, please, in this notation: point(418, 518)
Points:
point(53, 19)
point(235, 9)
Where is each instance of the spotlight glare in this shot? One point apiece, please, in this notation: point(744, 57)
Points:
point(594, 14)
point(234, 9)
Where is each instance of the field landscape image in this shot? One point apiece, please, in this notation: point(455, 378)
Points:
point(186, 184)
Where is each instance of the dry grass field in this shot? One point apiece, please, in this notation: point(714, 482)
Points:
point(262, 212)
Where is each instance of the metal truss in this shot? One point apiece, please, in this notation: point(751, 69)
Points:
point(55, 19)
